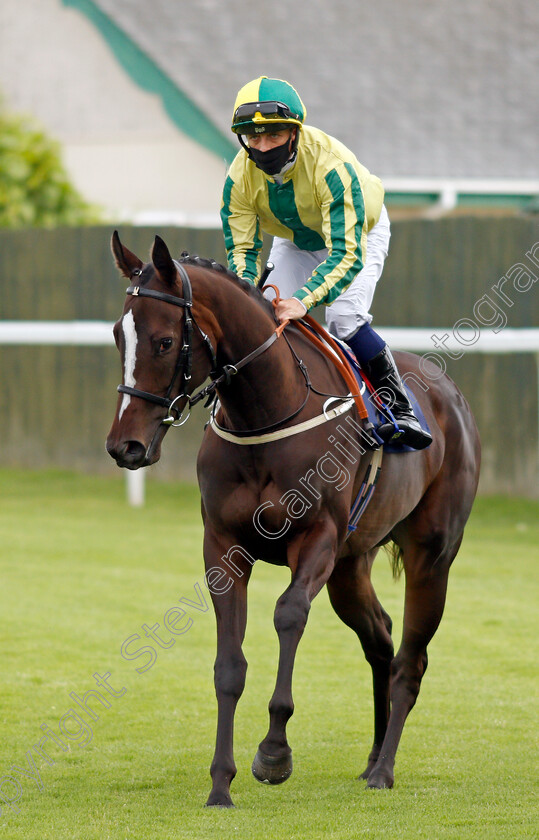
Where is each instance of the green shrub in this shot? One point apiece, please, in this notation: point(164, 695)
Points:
point(35, 190)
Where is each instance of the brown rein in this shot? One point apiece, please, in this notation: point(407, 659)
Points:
point(341, 363)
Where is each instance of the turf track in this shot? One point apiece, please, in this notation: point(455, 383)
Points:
point(81, 574)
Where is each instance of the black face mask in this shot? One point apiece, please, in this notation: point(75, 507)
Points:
point(272, 161)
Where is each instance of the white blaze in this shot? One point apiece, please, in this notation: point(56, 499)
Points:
point(130, 335)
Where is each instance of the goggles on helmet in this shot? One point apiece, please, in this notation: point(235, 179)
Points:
point(270, 111)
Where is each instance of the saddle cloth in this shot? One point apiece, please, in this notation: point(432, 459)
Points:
point(375, 417)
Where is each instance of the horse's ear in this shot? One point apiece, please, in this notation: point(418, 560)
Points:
point(163, 262)
point(124, 259)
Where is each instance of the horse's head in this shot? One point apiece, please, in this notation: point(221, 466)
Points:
point(162, 362)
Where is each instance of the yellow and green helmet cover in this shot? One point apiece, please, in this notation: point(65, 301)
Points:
point(265, 103)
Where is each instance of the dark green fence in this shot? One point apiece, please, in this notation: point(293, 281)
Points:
point(57, 403)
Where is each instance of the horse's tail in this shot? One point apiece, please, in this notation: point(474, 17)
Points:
point(395, 556)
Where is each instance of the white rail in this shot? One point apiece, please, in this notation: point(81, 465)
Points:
point(95, 333)
point(99, 333)
point(450, 190)
point(448, 193)
point(56, 332)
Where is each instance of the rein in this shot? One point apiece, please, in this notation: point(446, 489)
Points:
point(340, 363)
point(184, 368)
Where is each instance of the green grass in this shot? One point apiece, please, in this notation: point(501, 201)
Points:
point(81, 572)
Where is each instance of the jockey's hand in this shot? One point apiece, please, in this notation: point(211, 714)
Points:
point(290, 309)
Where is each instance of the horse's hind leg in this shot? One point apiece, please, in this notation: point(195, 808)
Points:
point(354, 600)
point(427, 569)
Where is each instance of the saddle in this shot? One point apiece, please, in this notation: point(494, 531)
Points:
point(372, 410)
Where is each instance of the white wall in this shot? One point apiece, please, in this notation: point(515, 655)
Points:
point(120, 147)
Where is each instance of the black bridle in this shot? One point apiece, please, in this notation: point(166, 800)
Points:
point(185, 357)
point(184, 362)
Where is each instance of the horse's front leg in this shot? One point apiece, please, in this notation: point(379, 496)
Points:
point(315, 562)
point(228, 588)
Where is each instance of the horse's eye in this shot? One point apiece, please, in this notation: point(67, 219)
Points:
point(166, 344)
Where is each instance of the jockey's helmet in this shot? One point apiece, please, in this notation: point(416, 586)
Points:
point(267, 104)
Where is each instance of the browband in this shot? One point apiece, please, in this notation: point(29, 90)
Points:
point(140, 291)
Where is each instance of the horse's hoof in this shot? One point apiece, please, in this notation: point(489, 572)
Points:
point(219, 800)
point(272, 770)
point(380, 781)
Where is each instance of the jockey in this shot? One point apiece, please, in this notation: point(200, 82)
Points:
point(330, 226)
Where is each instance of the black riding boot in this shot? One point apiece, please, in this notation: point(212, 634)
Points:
point(384, 377)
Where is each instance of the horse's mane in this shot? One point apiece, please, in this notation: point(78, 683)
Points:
point(212, 265)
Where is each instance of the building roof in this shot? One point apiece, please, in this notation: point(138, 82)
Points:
point(415, 89)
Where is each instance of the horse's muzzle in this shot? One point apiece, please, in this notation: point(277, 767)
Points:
point(130, 454)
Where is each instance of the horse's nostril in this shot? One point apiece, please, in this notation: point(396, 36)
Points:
point(134, 448)
point(133, 452)
point(130, 453)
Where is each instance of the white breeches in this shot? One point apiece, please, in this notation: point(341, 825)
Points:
point(350, 311)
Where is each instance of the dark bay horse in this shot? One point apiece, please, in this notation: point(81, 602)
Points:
point(286, 500)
